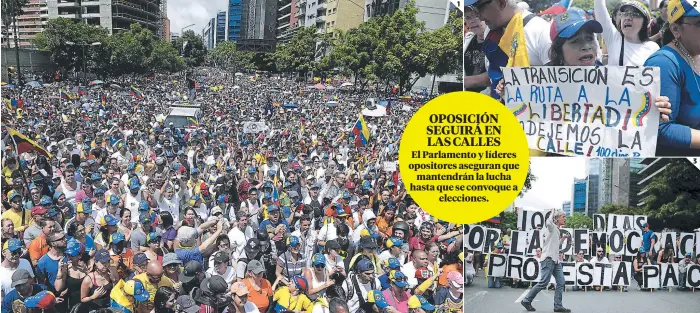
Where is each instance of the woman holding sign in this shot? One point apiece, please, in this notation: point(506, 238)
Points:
point(628, 42)
point(679, 62)
point(638, 264)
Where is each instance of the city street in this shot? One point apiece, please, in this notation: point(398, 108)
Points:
point(478, 298)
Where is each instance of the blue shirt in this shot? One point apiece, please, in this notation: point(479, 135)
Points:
point(384, 281)
point(188, 254)
point(263, 224)
point(14, 295)
point(647, 236)
point(680, 84)
point(48, 268)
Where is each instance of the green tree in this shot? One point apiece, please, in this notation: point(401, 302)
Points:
point(621, 209)
point(10, 10)
point(509, 220)
point(584, 4)
point(165, 58)
point(355, 53)
point(443, 47)
point(673, 199)
point(579, 220)
point(59, 33)
point(191, 47)
point(226, 55)
point(131, 50)
point(531, 178)
point(299, 54)
point(264, 61)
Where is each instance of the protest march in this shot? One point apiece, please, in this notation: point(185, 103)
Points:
point(616, 253)
point(210, 191)
point(620, 80)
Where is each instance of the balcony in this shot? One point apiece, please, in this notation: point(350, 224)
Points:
point(320, 30)
point(321, 19)
point(321, 6)
point(67, 4)
point(300, 13)
point(69, 15)
point(300, 3)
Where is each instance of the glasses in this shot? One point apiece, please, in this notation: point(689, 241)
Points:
point(696, 24)
point(319, 265)
point(173, 267)
point(17, 252)
point(632, 14)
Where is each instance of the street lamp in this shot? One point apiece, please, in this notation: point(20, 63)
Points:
point(94, 44)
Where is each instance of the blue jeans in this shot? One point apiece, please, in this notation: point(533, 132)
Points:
point(494, 282)
point(548, 268)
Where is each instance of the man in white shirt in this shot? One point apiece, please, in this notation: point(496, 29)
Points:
point(419, 259)
point(599, 258)
point(11, 261)
point(239, 235)
point(360, 281)
point(550, 264)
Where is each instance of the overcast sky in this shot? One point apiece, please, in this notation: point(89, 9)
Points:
point(555, 182)
point(185, 12)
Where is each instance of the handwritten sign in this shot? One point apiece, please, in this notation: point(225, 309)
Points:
point(586, 111)
point(254, 127)
point(389, 166)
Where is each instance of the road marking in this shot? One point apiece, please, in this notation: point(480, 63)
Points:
point(477, 296)
point(522, 296)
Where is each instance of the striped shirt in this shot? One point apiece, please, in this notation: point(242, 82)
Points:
point(290, 267)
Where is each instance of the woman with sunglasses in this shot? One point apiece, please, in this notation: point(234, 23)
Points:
point(259, 288)
point(628, 42)
point(71, 274)
point(97, 285)
point(318, 277)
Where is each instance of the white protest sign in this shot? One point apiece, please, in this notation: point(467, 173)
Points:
point(567, 242)
point(686, 244)
point(535, 238)
point(530, 269)
point(515, 264)
point(389, 166)
point(638, 221)
point(599, 239)
point(669, 275)
point(497, 265)
point(475, 237)
point(492, 236)
point(584, 274)
point(569, 270)
point(518, 242)
point(622, 273)
point(650, 276)
point(612, 222)
point(254, 127)
point(633, 242)
point(616, 239)
point(581, 242)
point(668, 239)
point(586, 111)
point(692, 279)
point(602, 274)
point(599, 222)
point(529, 219)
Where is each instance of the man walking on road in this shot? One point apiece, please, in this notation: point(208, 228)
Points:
point(550, 264)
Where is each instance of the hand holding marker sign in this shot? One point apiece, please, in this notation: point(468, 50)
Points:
point(463, 157)
point(586, 111)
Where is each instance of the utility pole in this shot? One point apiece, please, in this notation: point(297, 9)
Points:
point(15, 11)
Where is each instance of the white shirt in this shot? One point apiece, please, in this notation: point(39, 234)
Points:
point(309, 244)
point(328, 232)
point(409, 270)
point(172, 206)
point(6, 275)
point(634, 54)
point(202, 211)
point(354, 302)
point(239, 239)
point(537, 40)
point(386, 254)
point(550, 246)
point(229, 276)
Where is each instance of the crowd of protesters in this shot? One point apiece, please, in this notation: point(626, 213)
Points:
point(124, 212)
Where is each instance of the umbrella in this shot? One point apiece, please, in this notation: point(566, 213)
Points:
point(290, 106)
point(236, 87)
point(9, 86)
point(332, 103)
point(115, 86)
point(330, 87)
point(96, 82)
point(346, 84)
point(319, 86)
point(238, 74)
point(34, 84)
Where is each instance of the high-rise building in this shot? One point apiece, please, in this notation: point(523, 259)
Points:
point(115, 15)
point(566, 207)
point(652, 167)
point(382, 7)
point(208, 33)
point(343, 15)
point(221, 27)
point(258, 25)
point(284, 14)
point(235, 11)
point(609, 183)
point(164, 21)
point(174, 37)
point(166, 29)
point(579, 197)
point(593, 185)
point(29, 23)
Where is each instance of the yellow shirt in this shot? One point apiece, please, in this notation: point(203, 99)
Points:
point(7, 173)
point(17, 218)
point(164, 282)
point(297, 303)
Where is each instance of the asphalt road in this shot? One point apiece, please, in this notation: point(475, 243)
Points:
point(478, 298)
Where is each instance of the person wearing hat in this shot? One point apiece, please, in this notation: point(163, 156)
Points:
point(318, 277)
point(387, 266)
point(42, 302)
point(187, 239)
point(172, 265)
point(393, 250)
point(213, 295)
point(107, 227)
point(419, 304)
point(259, 288)
point(364, 276)
point(185, 304)
point(139, 236)
point(154, 251)
point(221, 266)
point(20, 218)
point(132, 199)
point(274, 218)
point(23, 288)
point(649, 240)
point(191, 277)
point(70, 274)
point(292, 262)
point(83, 216)
point(368, 221)
point(679, 66)
point(99, 208)
point(683, 265)
point(397, 295)
point(38, 246)
point(35, 197)
point(451, 297)
point(11, 262)
point(376, 303)
point(628, 42)
point(128, 295)
point(293, 296)
point(119, 253)
point(98, 284)
point(241, 300)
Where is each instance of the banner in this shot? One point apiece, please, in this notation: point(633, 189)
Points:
point(530, 219)
point(685, 244)
point(650, 276)
point(586, 111)
point(254, 127)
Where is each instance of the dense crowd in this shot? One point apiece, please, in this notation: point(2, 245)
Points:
point(124, 212)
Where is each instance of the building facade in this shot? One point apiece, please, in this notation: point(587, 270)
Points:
point(284, 14)
point(29, 23)
point(235, 12)
point(166, 29)
point(221, 28)
point(114, 15)
point(579, 197)
point(650, 167)
point(258, 25)
point(566, 207)
point(208, 33)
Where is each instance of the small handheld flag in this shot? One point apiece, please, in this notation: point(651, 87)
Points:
point(136, 93)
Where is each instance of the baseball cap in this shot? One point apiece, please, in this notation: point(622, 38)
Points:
point(239, 289)
point(293, 241)
point(216, 210)
point(376, 297)
point(192, 268)
point(135, 288)
point(20, 277)
point(12, 244)
point(365, 265)
point(644, 225)
point(272, 207)
point(186, 304)
point(145, 218)
point(221, 257)
point(38, 210)
point(641, 7)
point(108, 220)
point(153, 236)
point(394, 242)
point(171, 258)
point(74, 247)
point(332, 244)
point(99, 192)
point(42, 300)
point(12, 194)
point(398, 278)
point(682, 8)
point(214, 285)
point(318, 259)
point(140, 258)
point(113, 199)
point(301, 283)
point(392, 263)
point(422, 273)
point(81, 208)
point(567, 24)
point(116, 238)
point(251, 245)
point(415, 302)
point(45, 201)
point(689, 255)
point(367, 243)
point(256, 267)
point(134, 183)
point(102, 255)
point(143, 206)
point(455, 279)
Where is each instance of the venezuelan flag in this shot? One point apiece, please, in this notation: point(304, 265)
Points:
point(512, 42)
point(136, 93)
point(192, 122)
point(82, 91)
point(64, 95)
point(103, 98)
point(25, 144)
point(361, 132)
